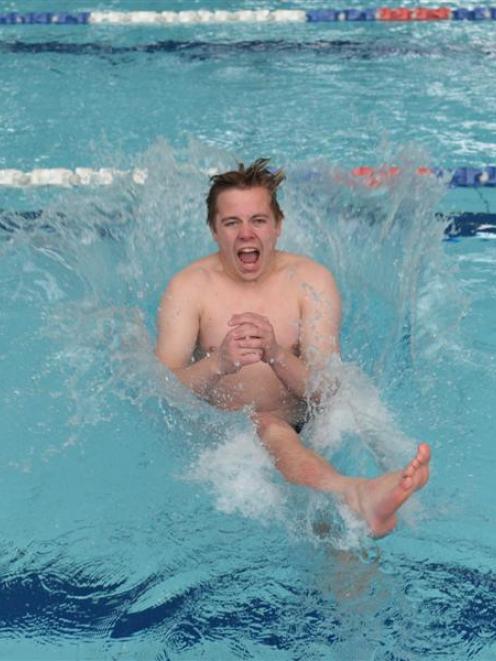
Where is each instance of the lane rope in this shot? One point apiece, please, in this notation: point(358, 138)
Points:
point(66, 178)
point(464, 177)
point(164, 18)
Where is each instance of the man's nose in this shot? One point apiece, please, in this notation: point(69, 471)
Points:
point(245, 231)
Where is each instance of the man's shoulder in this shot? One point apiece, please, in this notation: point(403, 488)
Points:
point(305, 268)
point(195, 274)
point(313, 282)
point(190, 283)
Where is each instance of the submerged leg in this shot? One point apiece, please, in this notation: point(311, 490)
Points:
point(375, 500)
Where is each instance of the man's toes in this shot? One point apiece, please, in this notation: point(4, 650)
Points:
point(409, 470)
point(424, 453)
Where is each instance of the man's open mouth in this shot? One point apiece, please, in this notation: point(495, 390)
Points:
point(248, 255)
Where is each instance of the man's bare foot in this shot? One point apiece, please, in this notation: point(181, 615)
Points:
point(378, 500)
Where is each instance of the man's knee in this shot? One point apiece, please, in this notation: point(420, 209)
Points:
point(262, 421)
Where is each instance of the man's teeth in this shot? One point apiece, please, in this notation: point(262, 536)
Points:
point(248, 255)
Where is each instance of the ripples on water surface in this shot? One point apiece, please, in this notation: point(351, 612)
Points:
point(335, 91)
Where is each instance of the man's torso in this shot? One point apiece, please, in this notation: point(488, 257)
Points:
point(277, 298)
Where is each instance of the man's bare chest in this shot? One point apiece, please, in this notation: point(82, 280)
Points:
point(281, 307)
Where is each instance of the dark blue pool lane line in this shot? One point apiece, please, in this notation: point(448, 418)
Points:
point(380, 14)
point(468, 224)
point(457, 601)
point(457, 225)
point(204, 50)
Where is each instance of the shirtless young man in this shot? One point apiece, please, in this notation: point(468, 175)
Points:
point(248, 325)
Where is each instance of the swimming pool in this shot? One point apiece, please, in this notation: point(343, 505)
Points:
point(139, 523)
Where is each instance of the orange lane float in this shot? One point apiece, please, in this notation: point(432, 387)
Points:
point(375, 177)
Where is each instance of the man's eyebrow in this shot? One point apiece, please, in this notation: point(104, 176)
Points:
point(255, 215)
point(224, 218)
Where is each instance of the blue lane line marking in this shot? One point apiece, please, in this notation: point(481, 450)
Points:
point(462, 224)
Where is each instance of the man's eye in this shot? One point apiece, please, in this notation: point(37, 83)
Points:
point(259, 221)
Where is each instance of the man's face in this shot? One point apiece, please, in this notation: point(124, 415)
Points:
point(246, 231)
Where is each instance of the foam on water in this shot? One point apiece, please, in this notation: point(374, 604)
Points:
point(241, 474)
point(355, 408)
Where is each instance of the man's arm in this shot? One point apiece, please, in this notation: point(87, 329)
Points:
point(320, 317)
point(319, 331)
point(178, 327)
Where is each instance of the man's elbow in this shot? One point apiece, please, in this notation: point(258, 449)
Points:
point(165, 361)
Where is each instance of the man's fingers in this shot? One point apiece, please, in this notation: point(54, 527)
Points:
point(246, 327)
point(251, 343)
point(247, 330)
point(251, 357)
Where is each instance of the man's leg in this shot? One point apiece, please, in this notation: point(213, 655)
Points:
point(376, 500)
point(297, 463)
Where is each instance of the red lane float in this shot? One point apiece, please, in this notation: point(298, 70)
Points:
point(375, 177)
point(435, 14)
point(394, 14)
point(416, 14)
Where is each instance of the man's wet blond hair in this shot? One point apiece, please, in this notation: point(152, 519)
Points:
point(256, 175)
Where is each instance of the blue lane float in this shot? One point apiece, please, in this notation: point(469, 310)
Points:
point(331, 15)
point(157, 18)
point(474, 177)
point(45, 18)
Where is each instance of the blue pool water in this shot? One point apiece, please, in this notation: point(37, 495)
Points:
point(139, 523)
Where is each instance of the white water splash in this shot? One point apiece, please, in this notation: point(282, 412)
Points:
point(241, 475)
point(354, 407)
